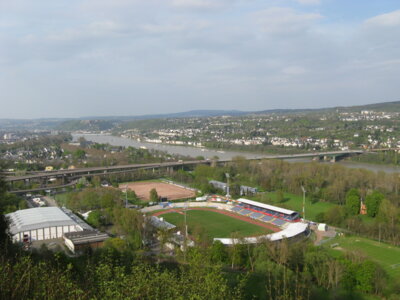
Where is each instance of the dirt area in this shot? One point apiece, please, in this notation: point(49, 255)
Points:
point(227, 213)
point(50, 201)
point(323, 236)
point(169, 191)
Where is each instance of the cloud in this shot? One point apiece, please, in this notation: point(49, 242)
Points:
point(283, 20)
point(308, 2)
point(201, 5)
point(294, 70)
point(391, 19)
point(156, 54)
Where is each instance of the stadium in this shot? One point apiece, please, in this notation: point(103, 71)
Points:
point(253, 221)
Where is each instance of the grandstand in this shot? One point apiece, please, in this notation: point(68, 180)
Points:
point(267, 218)
point(236, 208)
point(279, 222)
point(245, 212)
point(277, 213)
point(255, 215)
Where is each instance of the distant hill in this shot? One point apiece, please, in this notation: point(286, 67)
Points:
point(87, 125)
point(385, 106)
point(186, 114)
point(97, 123)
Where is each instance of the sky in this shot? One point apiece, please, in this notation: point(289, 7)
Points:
point(74, 58)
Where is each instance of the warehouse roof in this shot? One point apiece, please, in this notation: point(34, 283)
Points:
point(36, 218)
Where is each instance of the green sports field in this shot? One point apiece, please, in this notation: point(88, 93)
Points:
point(214, 224)
point(387, 256)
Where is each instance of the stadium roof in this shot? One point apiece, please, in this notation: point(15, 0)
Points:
point(160, 223)
point(292, 230)
point(271, 207)
point(36, 218)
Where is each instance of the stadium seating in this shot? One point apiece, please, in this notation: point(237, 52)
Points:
point(256, 215)
point(279, 222)
point(267, 218)
point(245, 212)
point(236, 209)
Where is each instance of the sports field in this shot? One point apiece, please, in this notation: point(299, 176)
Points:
point(386, 255)
point(214, 224)
point(166, 190)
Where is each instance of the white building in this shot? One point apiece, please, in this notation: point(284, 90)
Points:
point(43, 223)
point(322, 227)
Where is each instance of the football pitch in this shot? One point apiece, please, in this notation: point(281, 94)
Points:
point(214, 224)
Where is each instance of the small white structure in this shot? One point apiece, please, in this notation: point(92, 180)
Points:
point(322, 227)
point(203, 198)
point(43, 223)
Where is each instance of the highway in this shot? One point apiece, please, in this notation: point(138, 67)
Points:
point(93, 171)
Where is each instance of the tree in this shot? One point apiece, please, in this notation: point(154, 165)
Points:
point(280, 197)
point(365, 276)
point(353, 202)
point(132, 197)
point(334, 215)
point(218, 253)
point(96, 181)
point(5, 238)
point(79, 154)
point(372, 202)
point(153, 195)
point(234, 190)
point(95, 218)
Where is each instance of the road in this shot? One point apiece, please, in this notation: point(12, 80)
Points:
point(50, 201)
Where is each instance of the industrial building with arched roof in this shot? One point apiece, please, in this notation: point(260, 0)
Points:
point(43, 223)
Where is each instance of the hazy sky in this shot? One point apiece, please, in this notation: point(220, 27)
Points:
point(71, 58)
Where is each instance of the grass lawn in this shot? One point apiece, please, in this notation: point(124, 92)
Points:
point(387, 256)
point(295, 202)
point(215, 224)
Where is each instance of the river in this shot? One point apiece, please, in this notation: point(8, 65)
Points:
point(210, 153)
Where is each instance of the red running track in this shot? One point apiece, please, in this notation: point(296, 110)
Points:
point(223, 212)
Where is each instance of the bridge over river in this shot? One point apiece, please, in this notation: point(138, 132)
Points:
point(69, 177)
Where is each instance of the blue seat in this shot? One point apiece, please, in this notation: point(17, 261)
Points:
point(236, 208)
point(244, 212)
point(255, 215)
point(279, 222)
point(267, 218)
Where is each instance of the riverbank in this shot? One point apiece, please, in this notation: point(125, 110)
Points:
point(225, 154)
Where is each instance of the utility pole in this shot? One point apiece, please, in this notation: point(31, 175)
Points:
point(126, 195)
point(186, 234)
point(304, 203)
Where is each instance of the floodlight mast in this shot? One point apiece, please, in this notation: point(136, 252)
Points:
point(304, 202)
point(227, 185)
